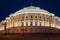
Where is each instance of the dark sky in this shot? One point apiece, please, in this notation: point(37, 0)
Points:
point(10, 6)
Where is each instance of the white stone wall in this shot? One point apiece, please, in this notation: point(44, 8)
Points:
point(15, 23)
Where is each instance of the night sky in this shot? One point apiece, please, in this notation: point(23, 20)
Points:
point(10, 6)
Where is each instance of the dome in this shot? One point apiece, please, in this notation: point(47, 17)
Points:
point(32, 20)
point(32, 9)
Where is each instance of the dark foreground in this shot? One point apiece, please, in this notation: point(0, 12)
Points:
point(30, 36)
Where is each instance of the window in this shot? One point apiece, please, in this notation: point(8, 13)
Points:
point(17, 30)
point(22, 30)
point(36, 29)
point(38, 13)
point(31, 29)
point(26, 23)
point(47, 19)
point(22, 24)
point(26, 29)
point(31, 23)
point(35, 23)
point(26, 16)
point(40, 17)
point(35, 16)
point(40, 23)
point(22, 17)
point(31, 16)
point(4, 26)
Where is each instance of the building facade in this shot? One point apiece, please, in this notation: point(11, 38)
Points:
point(29, 19)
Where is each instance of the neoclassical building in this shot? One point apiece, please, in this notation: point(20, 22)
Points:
point(30, 20)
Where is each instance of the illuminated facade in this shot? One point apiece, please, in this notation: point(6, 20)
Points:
point(30, 18)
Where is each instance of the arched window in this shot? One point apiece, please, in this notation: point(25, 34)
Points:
point(26, 23)
point(31, 23)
